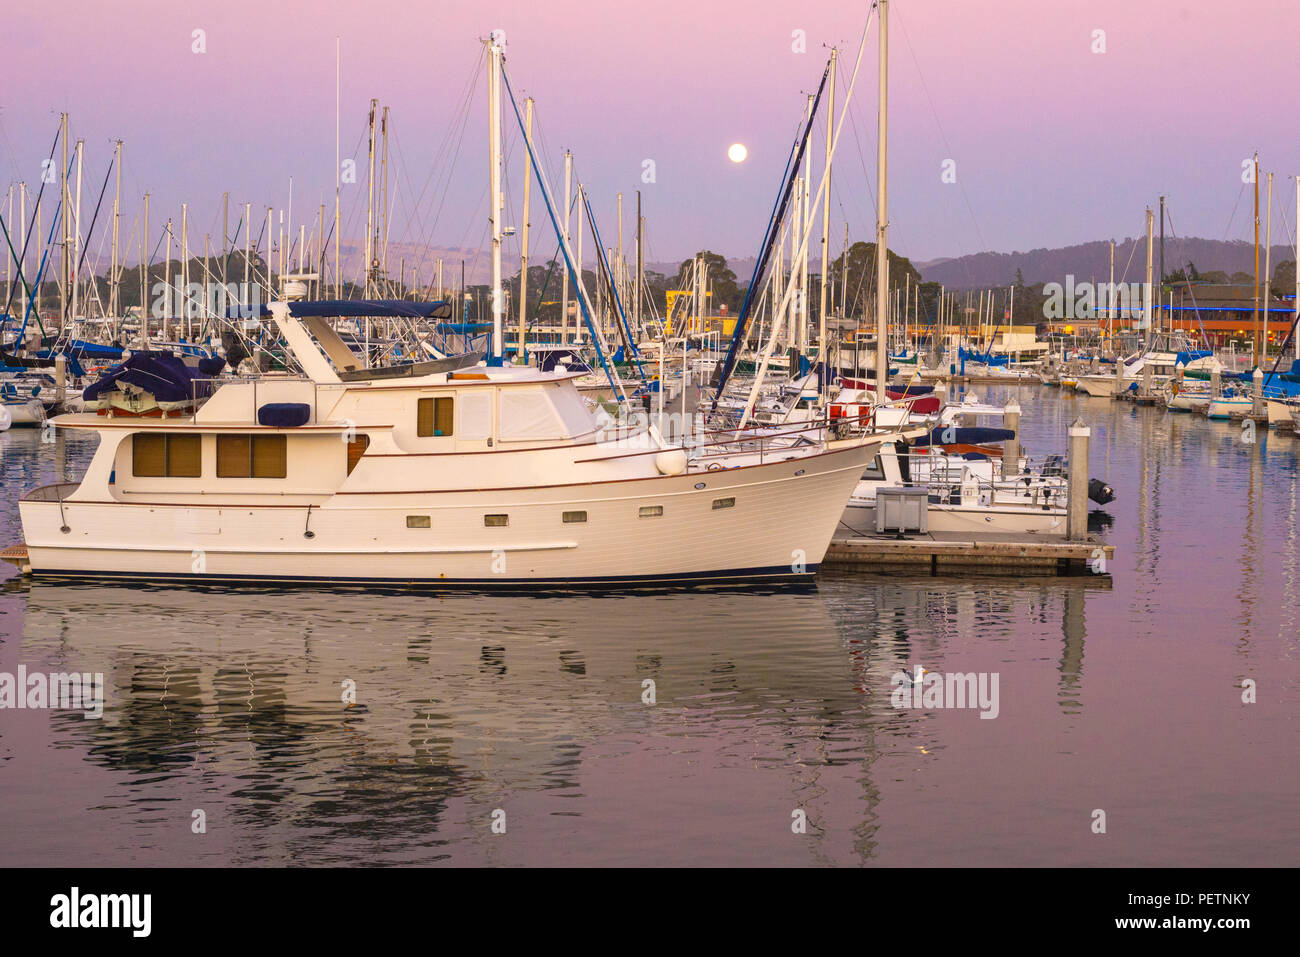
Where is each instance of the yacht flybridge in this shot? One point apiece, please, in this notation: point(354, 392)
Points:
point(446, 473)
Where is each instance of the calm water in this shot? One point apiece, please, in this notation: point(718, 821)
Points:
point(1121, 695)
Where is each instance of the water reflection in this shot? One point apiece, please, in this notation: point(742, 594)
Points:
point(1123, 693)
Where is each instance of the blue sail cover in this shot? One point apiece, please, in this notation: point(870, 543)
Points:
point(987, 358)
point(163, 375)
point(340, 308)
point(952, 435)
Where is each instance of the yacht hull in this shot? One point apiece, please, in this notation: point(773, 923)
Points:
point(768, 522)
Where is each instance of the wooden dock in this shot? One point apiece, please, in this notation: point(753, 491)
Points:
point(950, 552)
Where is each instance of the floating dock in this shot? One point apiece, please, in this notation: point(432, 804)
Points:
point(949, 552)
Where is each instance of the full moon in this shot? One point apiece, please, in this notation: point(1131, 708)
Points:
point(737, 152)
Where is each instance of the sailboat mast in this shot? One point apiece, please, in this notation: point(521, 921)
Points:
point(640, 262)
point(144, 274)
point(494, 208)
point(568, 201)
point(65, 202)
point(370, 206)
point(1268, 268)
point(882, 220)
point(523, 246)
point(1150, 304)
point(338, 170)
point(117, 216)
point(1256, 329)
point(805, 223)
point(76, 236)
point(824, 378)
point(1110, 291)
point(248, 213)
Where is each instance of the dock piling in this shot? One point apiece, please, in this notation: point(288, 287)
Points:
point(1011, 447)
point(1076, 521)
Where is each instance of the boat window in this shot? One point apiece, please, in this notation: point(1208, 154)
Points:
point(434, 416)
point(650, 511)
point(724, 503)
point(527, 414)
point(252, 456)
point(166, 454)
point(357, 448)
point(875, 470)
point(475, 415)
point(496, 521)
point(270, 456)
point(418, 521)
point(573, 518)
point(234, 456)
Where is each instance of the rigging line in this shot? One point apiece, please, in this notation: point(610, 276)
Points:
point(603, 264)
point(444, 161)
point(451, 168)
point(1196, 311)
point(1131, 253)
point(907, 40)
point(596, 339)
point(775, 219)
point(89, 232)
point(1241, 192)
point(32, 222)
point(459, 117)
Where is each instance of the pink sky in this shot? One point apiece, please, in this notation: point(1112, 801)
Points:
point(1053, 144)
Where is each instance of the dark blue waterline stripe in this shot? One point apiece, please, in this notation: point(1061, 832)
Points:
point(773, 574)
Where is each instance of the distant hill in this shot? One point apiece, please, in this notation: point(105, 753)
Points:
point(1091, 261)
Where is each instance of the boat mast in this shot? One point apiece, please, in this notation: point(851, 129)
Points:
point(338, 172)
point(64, 202)
point(22, 243)
point(494, 205)
point(1268, 267)
point(1256, 329)
point(805, 224)
point(1150, 305)
point(1161, 294)
point(225, 237)
point(248, 235)
point(383, 177)
point(568, 198)
point(185, 268)
point(117, 214)
point(76, 237)
point(823, 378)
point(169, 303)
point(370, 206)
point(882, 220)
point(144, 273)
point(640, 266)
point(1110, 296)
point(523, 244)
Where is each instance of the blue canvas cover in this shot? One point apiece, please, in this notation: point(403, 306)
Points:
point(284, 415)
point(952, 435)
point(163, 375)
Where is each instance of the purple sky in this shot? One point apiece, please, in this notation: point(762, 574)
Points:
point(1053, 143)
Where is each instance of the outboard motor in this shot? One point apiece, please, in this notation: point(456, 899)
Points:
point(1100, 492)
